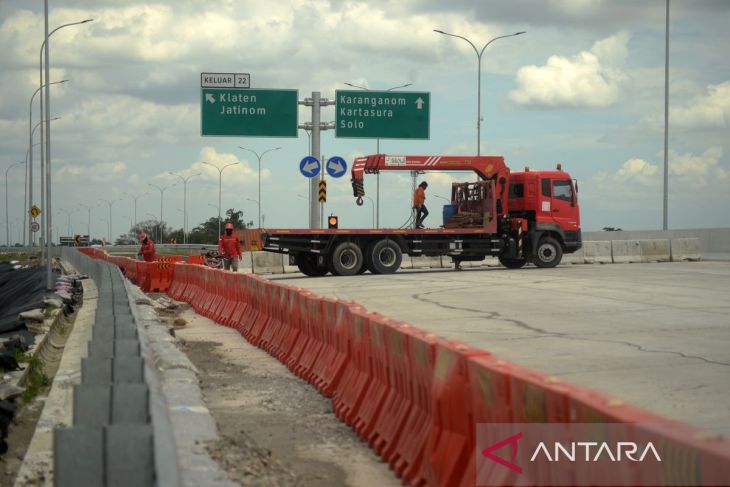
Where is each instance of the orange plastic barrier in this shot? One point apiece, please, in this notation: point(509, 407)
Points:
point(415, 397)
point(350, 392)
point(195, 259)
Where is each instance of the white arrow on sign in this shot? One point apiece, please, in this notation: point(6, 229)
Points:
point(335, 166)
point(209, 97)
point(310, 167)
point(419, 103)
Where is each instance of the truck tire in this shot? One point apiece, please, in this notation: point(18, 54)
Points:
point(308, 266)
point(346, 259)
point(512, 263)
point(383, 257)
point(548, 254)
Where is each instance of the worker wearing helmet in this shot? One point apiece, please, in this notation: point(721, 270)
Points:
point(230, 248)
point(147, 251)
point(419, 200)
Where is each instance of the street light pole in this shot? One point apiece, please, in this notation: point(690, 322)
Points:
point(30, 183)
point(47, 95)
point(7, 216)
point(377, 150)
point(479, 78)
point(259, 157)
point(88, 222)
point(134, 198)
point(665, 219)
point(31, 131)
point(68, 222)
point(372, 206)
point(162, 193)
point(110, 203)
point(185, 202)
point(220, 186)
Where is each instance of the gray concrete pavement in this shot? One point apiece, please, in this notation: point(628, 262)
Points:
point(655, 335)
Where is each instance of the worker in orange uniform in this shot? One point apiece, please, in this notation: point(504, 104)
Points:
point(230, 248)
point(419, 198)
point(147, 251)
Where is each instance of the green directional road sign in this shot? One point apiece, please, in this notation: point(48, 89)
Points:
point(382, 114)
point(248, 112)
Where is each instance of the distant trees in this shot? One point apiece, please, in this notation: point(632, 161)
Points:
point(204, 233)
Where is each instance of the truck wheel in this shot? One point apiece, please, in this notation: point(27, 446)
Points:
point(383, 257)
point(346, 260)
point(309, 267)
point(549, 253)
point(512, 263)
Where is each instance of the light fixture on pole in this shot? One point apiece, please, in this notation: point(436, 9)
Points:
point(110, 203)
point(47, 126)
point(479, 78)
point(88, 221)
point(31, 131)
point(161, 189)
point(185, 202)
point(377, 149)
point(372, 206)
point(135, 197)
point(259, 157)
point(7, 215)
point(220, 186)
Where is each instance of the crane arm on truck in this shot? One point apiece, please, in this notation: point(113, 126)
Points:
point(486, 167)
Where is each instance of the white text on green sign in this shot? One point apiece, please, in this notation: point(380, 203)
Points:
point(252, 112)
point(382, 114)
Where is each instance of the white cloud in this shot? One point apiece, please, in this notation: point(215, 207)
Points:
point(698, 170)
point(639, 170)
point(708, 110)
point(590, 79)
point(103, 172)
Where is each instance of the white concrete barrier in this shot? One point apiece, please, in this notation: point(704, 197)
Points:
point(655, 250)
point(597, 252)
point(245, 264)
point(407, 262)
point(577, 257)
point(625, 251)
point(685, 249)
point(425, 262)
point(268, 262)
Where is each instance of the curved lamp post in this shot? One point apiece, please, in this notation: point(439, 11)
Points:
point(220, 185)
point(7, 216)
point(259, 157)
point(185, 202)
point(479, 78)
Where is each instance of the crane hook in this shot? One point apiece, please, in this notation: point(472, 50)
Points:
point(359, 201)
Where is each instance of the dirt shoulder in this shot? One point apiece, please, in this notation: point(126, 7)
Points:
point(275, 429)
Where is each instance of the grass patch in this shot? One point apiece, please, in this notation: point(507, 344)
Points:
point(22, 257)
point(36, 379)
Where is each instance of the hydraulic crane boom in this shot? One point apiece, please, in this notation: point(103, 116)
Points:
point(486, 167)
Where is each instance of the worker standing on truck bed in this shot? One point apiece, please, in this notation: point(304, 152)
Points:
point(147, 250)
point(230, 248)
point(419, 198)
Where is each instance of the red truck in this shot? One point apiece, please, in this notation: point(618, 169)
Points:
point(519, 217)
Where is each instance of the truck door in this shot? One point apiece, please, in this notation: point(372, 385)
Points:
point(564, 204)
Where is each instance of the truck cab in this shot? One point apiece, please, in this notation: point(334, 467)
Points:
point(548, 200)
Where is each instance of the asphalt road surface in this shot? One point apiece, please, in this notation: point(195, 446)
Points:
point(655, 335)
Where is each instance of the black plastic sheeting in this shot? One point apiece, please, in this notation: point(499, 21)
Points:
point(20, 290)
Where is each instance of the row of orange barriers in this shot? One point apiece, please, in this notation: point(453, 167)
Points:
point(415, 397)
point(150, 276)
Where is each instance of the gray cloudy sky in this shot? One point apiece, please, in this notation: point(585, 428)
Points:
point(583, 87)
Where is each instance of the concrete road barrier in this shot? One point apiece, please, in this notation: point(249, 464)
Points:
point(685, 249)
point(426, 262)
point(597, 252)
point(267, 262)
point(655, 250)
point(577, 257)
point(626, 251)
